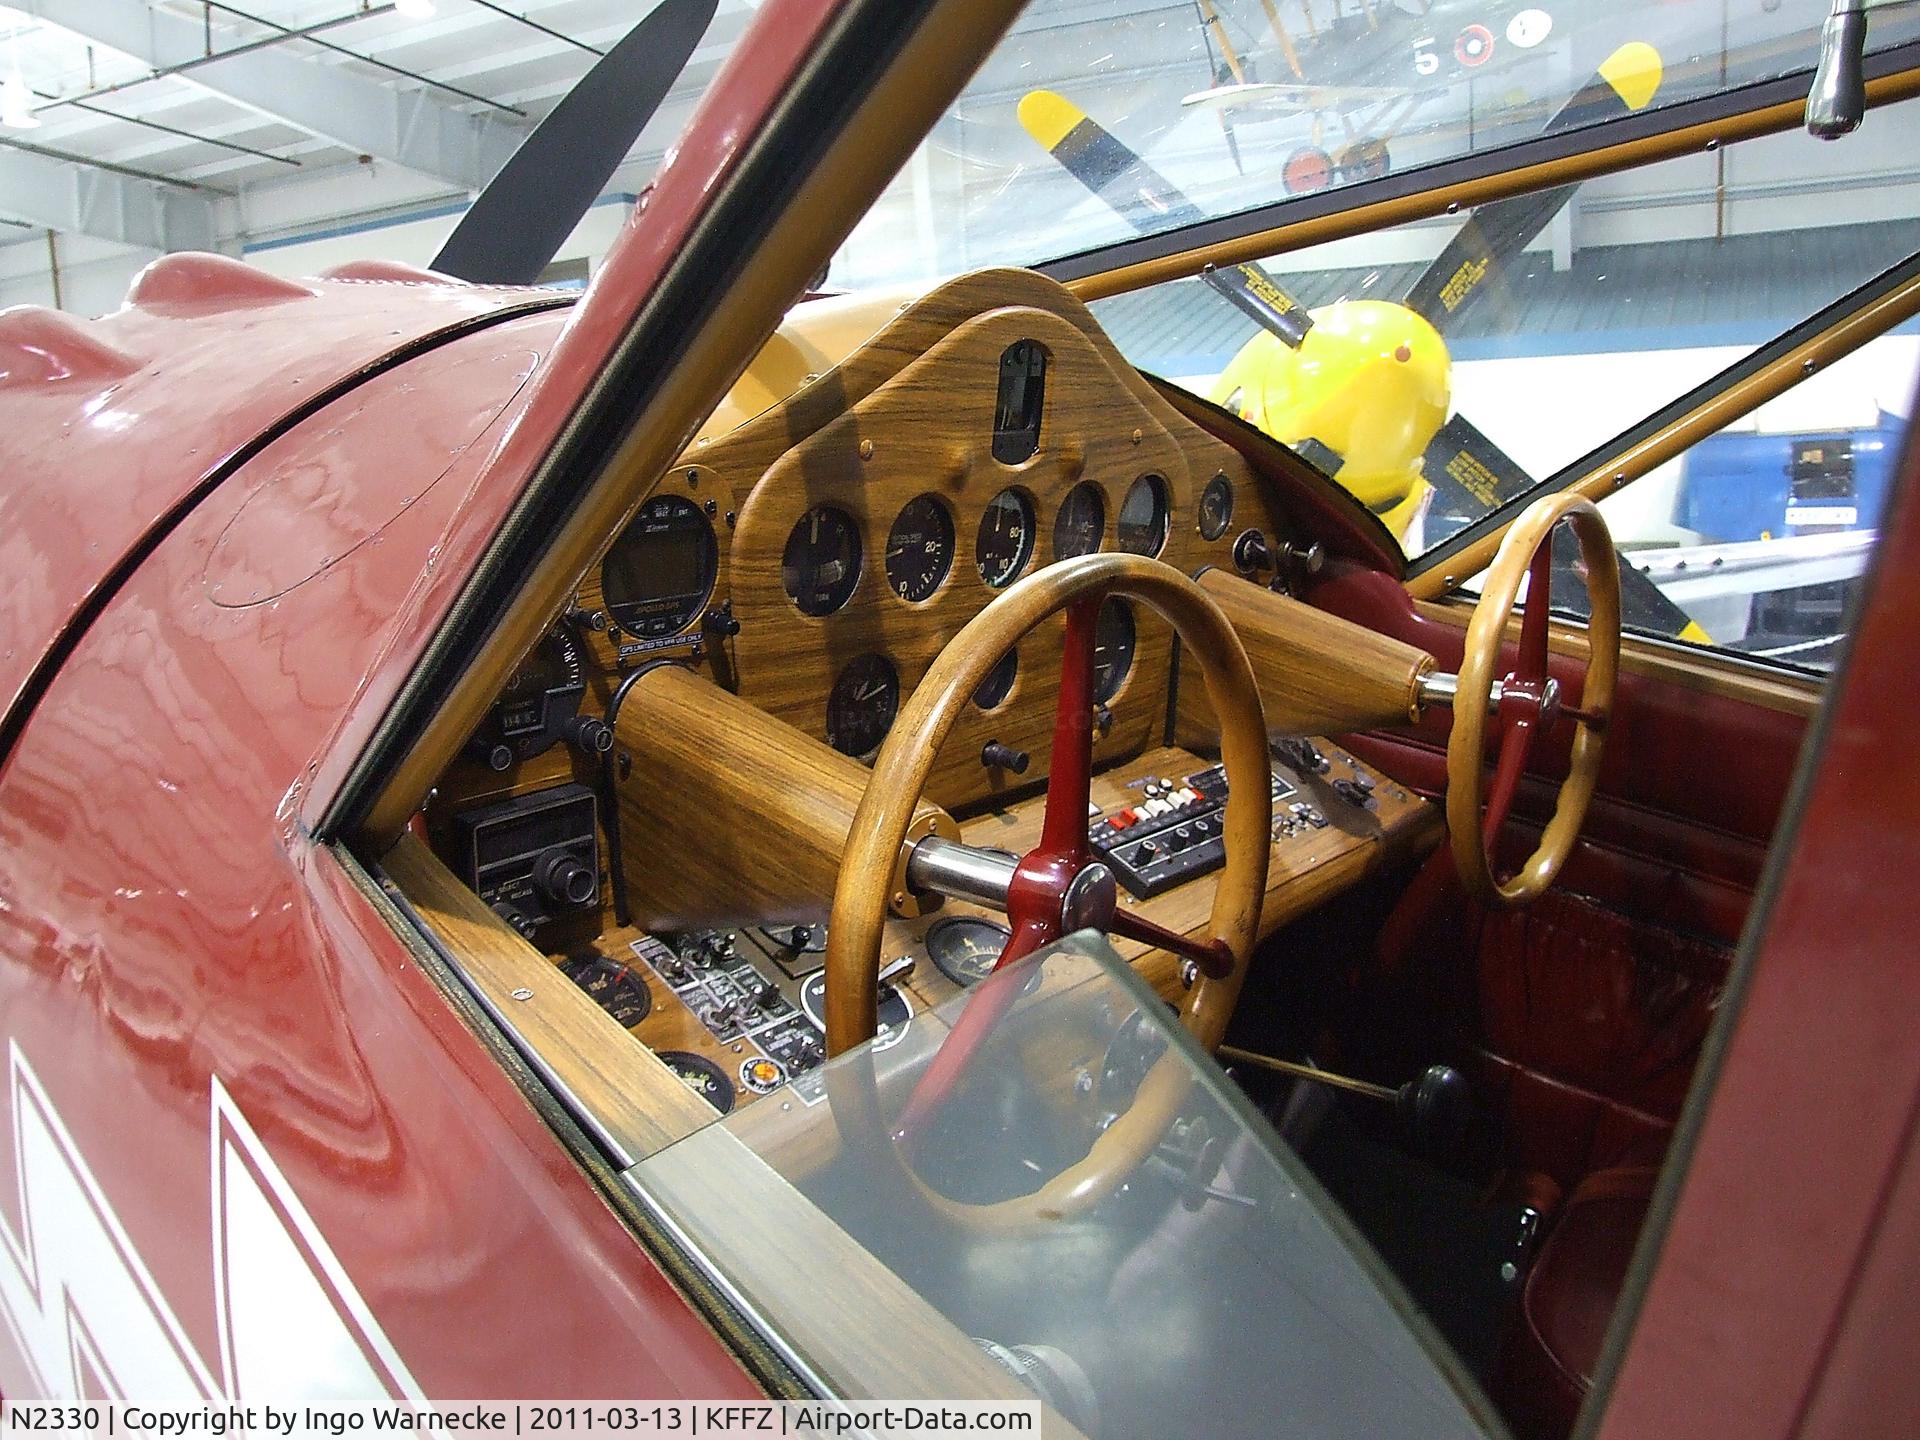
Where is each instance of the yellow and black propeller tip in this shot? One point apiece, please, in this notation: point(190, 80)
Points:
point(1625, 83)
point(1150, 203)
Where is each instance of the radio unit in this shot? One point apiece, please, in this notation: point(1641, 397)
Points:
point(535, 858)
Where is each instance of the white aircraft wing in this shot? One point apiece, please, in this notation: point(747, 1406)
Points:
point(1714, 583)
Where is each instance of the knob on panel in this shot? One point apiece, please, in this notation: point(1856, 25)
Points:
point(590, 735)
point(493, 754)
point(522, 923)
point(564, 880)
point(996, 756)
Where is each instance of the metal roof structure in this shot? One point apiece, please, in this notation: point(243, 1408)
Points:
point(158, 119)
point(151, 115)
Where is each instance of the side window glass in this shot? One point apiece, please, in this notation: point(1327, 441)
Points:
point(1758, 536)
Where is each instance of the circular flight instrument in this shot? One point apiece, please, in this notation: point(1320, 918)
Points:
point(1216, 508)
point(1082, 521)
point(659, 573)
point(618, 989)
point(1004, 543)
point(1113, 640)
point(702, 1076)
point(539, 699)
point(992, 692)
point(965, 948)
point(919, 548)
point(821, 563)
point(861, 705)
point(1142, 526)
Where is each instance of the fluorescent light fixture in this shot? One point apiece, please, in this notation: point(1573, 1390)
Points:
point(414, 9)
point(16, 105)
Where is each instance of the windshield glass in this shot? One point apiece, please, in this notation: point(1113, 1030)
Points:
point(1088, 1206)
point(1454, 364)
point(1236, 104)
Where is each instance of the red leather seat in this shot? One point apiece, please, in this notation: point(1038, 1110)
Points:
point(1568, 1299)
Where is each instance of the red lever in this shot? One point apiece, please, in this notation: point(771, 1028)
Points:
point(1041, 878)
point(1527, 685)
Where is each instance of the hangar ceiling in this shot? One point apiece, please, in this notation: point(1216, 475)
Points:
point(157, 121)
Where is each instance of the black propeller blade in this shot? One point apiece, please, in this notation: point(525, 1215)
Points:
point(1626, 81)
point(1472, 476)
point(519, 222)
point(1643, 607)
point(1148, 201)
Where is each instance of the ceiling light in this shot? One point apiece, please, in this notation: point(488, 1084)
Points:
point(16, 105)
point(414, 9)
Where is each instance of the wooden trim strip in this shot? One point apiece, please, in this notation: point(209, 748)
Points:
point(626, 1092)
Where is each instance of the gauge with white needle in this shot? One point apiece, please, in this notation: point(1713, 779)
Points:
point(965, 948)
point(1004, 543)
point(919, 548)
point(862, 704)
point(821, 563)
point(1081, 523)
point(1113, 641)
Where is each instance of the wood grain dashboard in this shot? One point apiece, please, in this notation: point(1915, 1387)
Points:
point(911, 417)
point(723, 801)
point(921, 419)
point(721, 806)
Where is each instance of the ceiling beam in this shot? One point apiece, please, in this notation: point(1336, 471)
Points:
point(406, 127)
point(56, 195)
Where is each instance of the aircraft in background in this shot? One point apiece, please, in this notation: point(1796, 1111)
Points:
point(1336, 62)
point(1362, 389)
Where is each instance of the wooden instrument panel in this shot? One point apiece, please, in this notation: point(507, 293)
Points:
point(732, 807)
point(911, 417)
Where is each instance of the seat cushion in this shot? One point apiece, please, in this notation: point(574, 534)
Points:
point(1569, 1298)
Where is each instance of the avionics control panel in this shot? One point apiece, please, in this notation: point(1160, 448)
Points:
point(1172, 834)
point(534, 858)
point(751, 1000)
point(764, 985)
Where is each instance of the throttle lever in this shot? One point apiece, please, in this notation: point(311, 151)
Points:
point(1435, 1107)
point(1837, 101)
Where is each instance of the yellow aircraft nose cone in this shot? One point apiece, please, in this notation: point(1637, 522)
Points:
point(1370, 385)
